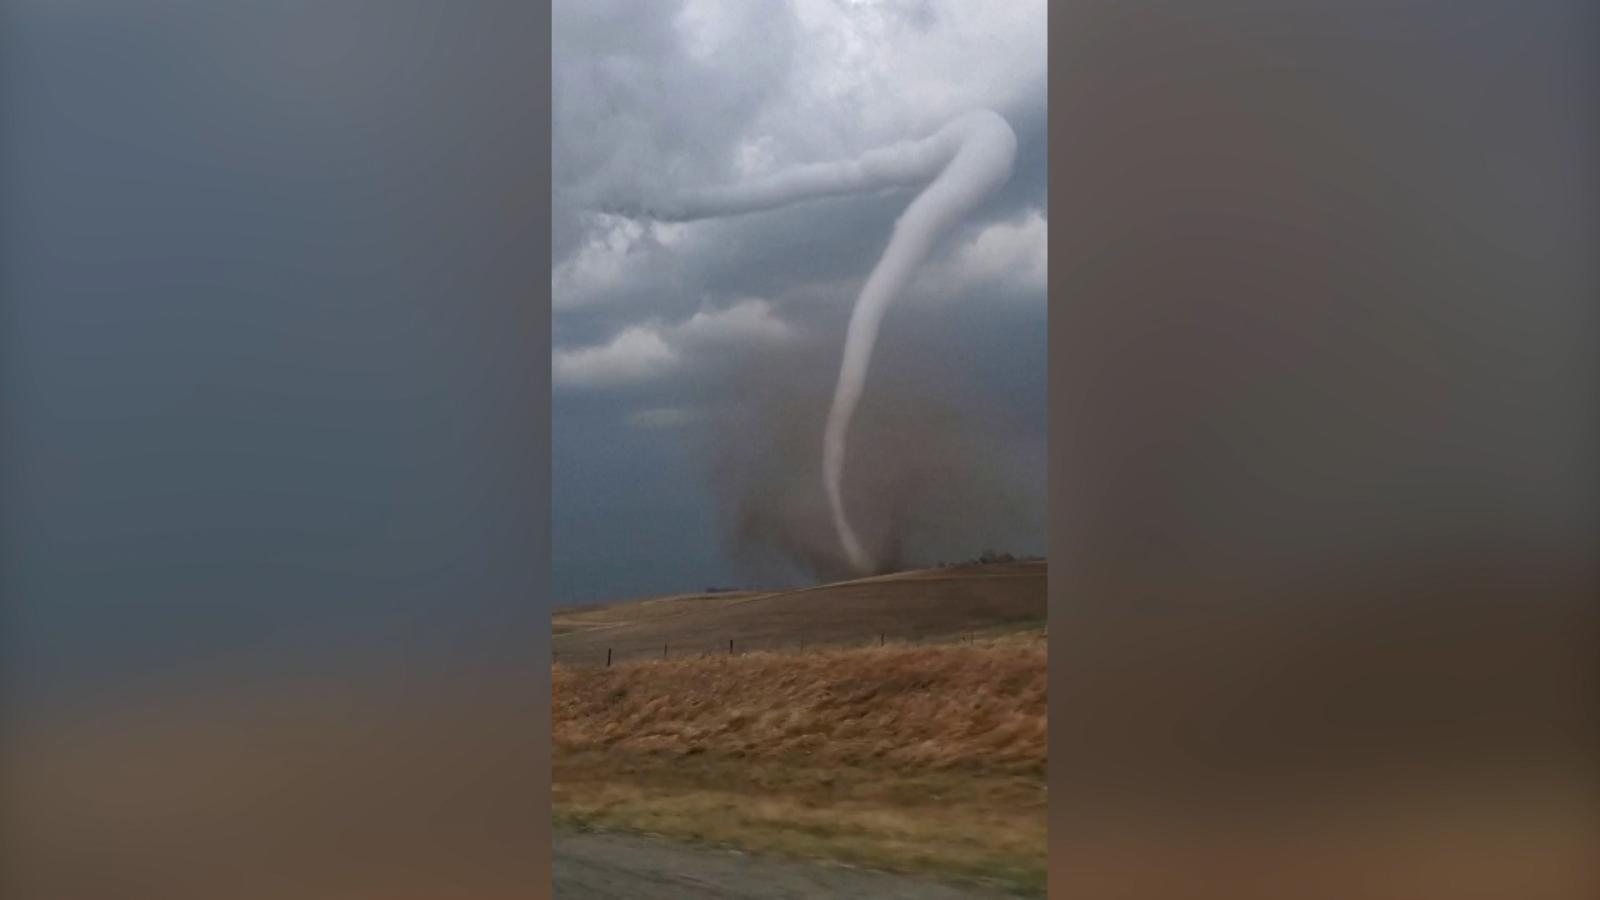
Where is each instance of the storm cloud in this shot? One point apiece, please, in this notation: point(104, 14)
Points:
point(658, 327)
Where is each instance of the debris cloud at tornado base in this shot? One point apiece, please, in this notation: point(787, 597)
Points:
point(939, 472)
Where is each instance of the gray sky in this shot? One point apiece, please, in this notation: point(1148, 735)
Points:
point(267, 352)
point(663, 333)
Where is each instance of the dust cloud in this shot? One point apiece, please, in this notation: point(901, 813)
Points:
point(935, 475)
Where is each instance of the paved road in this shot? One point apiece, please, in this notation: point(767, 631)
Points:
point(613, 867)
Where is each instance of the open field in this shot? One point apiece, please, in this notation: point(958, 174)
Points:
point(576, 619)
point(929, 604)
point(916, 758)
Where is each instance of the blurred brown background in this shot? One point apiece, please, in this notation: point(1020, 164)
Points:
point(1323, 450)
point(274, 479)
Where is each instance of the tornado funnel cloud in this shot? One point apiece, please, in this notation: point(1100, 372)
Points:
point(966, 160)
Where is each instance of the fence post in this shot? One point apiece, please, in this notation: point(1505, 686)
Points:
point(880, 639)
point(663, 651)
point(730, 646)
point(608, 657)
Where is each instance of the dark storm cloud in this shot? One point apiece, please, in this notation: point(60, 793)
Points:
point(649, 350)
point(632, 106)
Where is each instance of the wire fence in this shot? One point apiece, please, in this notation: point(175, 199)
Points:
point(599, 653)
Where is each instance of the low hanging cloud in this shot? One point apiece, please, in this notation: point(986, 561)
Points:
point(1015, 252)
point(745, 322)
point(1007, 258)
point(637, 354)
point(616, 257)
point(600, 263)
point(641, 353)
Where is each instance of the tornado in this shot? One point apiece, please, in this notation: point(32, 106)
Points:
point(961, 164)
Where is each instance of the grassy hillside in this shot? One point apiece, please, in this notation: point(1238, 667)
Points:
point(569, 619)
point(929, 604)
point(925, 758)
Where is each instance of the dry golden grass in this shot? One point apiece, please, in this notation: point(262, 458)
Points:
point(936, 706)
point(915, 758)
point(582, 618)
point(923, 605)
